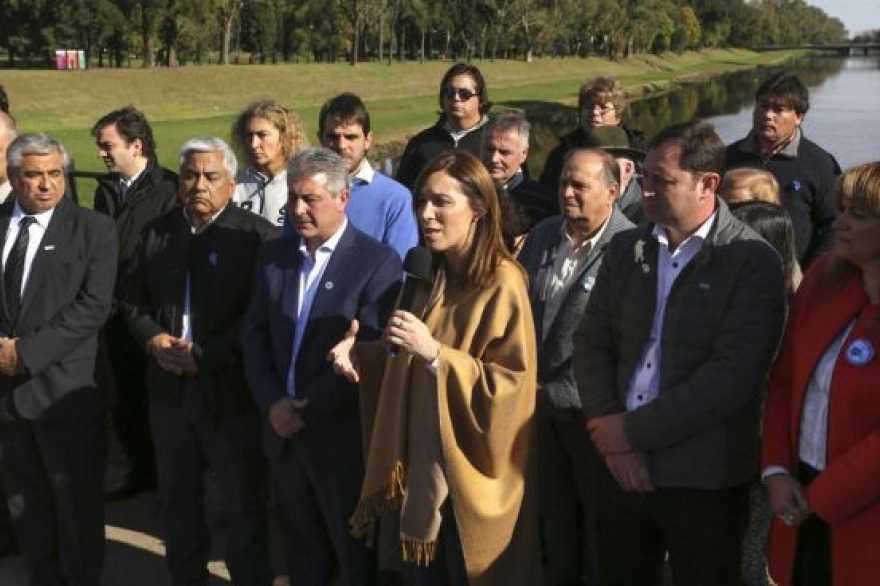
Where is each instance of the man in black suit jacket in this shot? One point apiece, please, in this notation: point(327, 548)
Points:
point(562, 256)
point(135, 191)
point(184, 302)
point(307, 290)
point(59, 265)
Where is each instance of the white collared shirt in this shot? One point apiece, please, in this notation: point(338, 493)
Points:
point(310, 272)
point(125, 184)
point(365, 172)
point(644, 385)
point(35, 237)
point(567, 259)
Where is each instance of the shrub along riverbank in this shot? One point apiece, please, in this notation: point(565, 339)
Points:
point(402, 98)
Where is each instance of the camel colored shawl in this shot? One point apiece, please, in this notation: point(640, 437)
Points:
point(481, 403)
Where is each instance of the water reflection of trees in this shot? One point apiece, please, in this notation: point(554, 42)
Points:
point(725, 94)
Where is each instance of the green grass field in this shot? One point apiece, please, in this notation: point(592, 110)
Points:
point(196, 101)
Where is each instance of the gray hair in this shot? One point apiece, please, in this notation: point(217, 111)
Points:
point(311, 162)
point(34, 143)
point(507, 121)
point(210, 144)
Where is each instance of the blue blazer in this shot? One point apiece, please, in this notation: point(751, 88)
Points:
point(360, 282)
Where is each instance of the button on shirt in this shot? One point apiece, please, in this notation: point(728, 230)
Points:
point(35, 237)
point(568, 260)
point(645, 383)
point(310, 272)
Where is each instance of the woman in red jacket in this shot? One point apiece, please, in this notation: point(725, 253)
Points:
point(821, 456)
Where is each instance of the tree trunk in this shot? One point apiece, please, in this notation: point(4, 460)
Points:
point(355, 41)
point(147, 32)
point(228, 21)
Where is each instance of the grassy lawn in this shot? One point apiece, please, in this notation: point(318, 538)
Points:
point(192, 101)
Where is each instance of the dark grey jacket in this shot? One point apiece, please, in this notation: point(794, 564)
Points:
point(558, 396)
point(723, 321)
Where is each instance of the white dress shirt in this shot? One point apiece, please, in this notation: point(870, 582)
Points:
point(35, 237)
point(310, 272)
point(644, 385)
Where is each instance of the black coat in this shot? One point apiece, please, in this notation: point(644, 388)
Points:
point(153, 194)
point(219, 262)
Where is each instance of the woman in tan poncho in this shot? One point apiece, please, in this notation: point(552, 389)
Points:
point(448, 419)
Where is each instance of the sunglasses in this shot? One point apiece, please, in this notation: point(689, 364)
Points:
point(462, 93)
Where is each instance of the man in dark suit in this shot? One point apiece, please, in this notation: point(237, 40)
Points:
point(187, 293)
point(59, 267)
point(307, 290)
point(670, 361)
point(135, 191)
point(562, 256)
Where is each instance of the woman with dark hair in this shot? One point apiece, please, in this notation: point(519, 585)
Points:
point(821, 455)
point(448, 418)
point(464, 108)
point(267, 134)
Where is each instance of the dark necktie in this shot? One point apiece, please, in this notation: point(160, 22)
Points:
point(14, 269)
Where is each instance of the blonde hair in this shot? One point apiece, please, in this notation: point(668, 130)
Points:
point(758, 185)
point(288, 123)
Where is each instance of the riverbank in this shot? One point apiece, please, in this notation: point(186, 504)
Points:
point(190, 101)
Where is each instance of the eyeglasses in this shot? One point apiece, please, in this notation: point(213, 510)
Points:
point(777, 107)
point(462, 93)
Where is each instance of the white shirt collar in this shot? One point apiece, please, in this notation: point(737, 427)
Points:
point(365, 173)
point(42, 218)
point(329, 245)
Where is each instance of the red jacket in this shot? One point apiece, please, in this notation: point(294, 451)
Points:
point(847, 493)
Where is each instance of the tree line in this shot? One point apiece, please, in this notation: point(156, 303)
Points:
point(120, 33)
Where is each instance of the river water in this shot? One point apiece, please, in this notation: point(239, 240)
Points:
point(844, 115)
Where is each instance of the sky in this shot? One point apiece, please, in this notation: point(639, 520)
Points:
point(857, 15)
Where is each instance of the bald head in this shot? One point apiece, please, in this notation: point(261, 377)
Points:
point(8, 132)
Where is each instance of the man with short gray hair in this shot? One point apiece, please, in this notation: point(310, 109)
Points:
point(308, 288)
point(184, 303)
point(504, 150)
point(59, 268)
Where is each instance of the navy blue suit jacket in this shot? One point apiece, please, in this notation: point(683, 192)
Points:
point(360, 282)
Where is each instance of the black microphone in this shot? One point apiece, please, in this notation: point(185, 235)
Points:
point(416, 270)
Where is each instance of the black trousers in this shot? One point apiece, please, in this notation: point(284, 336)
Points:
point(701, 530)
point(53, 471)
point(448, 567)
point(188, 442)
point(121, 372)
point(567, 503)
point(812, 560)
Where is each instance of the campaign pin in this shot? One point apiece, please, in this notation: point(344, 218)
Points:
point(860, 352)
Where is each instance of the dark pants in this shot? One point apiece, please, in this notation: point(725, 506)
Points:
point(187, 443)
point(701, 530)
point(448, 567)
point(54, 475)
point(568, 513)
point(121, 372)
point(812, 560)
point(316, 485)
